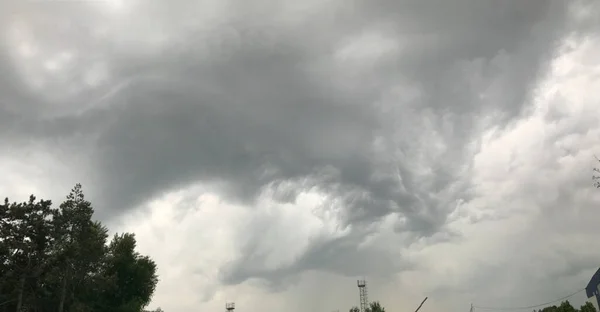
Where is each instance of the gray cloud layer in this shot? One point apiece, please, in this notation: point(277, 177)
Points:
point(252, 102)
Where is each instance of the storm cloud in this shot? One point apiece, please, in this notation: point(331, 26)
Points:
point(382, 108)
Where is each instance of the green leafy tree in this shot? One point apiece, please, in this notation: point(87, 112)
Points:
point(59, 260)
point(550, 309)
point(131, 277)
point(5, 249)
point(566, 306)
point(80, 243)
point(25, 247)
point(587, 307)
point(375, 307)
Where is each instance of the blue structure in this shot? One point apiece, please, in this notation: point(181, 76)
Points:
point(591, 290)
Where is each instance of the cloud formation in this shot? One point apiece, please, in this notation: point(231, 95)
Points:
point(275, 145)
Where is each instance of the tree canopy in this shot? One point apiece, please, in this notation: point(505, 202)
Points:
point(566, 306)
point(60, 259)
point(373, 307)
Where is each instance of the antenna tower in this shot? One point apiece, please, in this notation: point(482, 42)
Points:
point(364, 299)
point(230, 306)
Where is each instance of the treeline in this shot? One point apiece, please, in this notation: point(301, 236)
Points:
point(60, 259)
point(374, 306)
point(566, 306)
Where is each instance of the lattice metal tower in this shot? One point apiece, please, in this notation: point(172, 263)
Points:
point(364, 299)
point(230, 306)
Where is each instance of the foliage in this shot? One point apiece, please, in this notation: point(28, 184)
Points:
point(373, 307)
point(587, 307)
point(566, 306)
point(59, 259)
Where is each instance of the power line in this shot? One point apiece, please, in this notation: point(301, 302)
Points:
point(528, 307)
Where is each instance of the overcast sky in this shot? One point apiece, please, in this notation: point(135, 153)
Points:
point(272, 152)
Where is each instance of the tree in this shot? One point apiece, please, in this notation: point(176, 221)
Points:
point(59, 259)
point(587, 307)
point(25, 246)
point(566, 306)
point(80, 242)
point(5, 248)
point(375, 307)
point(132, 277)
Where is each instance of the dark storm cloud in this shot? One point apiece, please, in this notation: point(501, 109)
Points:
point(243, 116)
point(499, 52)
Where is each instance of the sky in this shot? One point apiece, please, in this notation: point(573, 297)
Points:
point(271, 153)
